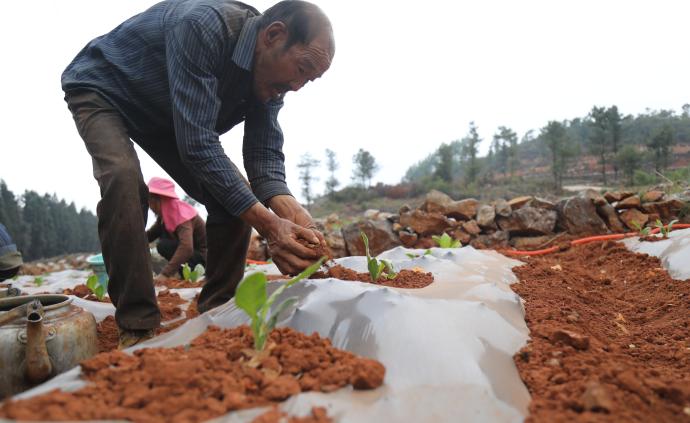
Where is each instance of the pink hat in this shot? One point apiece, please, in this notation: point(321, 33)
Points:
point(162, 186)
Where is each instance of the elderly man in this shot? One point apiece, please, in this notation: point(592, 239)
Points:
point(172, 79)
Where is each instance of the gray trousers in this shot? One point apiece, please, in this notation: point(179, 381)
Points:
point(123, 210)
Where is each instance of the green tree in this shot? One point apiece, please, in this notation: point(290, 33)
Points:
point(446, 160)
point(332, 165)
point(306, 164)
point(365, 168)
point(599, 135)
point(556, 140)
point(470, 148)
point(628, 160)
point(613, 120)
point(660, 144)
point(505, 150)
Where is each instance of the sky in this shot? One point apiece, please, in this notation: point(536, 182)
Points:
point(407, 76)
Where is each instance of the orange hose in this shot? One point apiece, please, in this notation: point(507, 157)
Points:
point(590, 239)
point(250, 261)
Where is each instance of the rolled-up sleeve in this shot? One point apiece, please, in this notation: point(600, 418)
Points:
point(262, 150)
point(194, 47)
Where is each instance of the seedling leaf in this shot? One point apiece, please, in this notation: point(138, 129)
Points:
point(446, 241)
point(186, 272)
point(251, 293)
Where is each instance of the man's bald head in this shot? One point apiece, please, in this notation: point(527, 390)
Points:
point(304, 21)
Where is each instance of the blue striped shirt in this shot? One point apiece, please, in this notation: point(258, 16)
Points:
point(181, 73)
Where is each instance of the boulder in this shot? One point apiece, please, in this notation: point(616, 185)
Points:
point(594, 196)
point(502, 208)
point(608, 213)
point(486, 215)
point(471, 227)
point(380, 234)
point(614, 196)
point(669, 209)
point(373, 214)
point(541, 203)
point(425, 223)
point(529, 221)
point(438, 202)
point(578, 216)
point(633, 215)
point(652, 196)
point(425, 242)
point(498, 239)
point(518, 202)
point(530, 242)
point(631, 202)
point(461, 236)
point(407, 238)
point(336, 243)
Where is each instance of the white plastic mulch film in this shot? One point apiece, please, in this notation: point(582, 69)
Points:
point(447, 348)
point(673, 252)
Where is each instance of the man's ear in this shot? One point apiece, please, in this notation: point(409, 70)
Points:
point(275, 33)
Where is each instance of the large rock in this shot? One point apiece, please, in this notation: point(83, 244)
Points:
point(610, 215)
point(498, 239)
point(530, 242)
point(631, 202)
point(374, 214)
point(652, 196)
point(594, 196)
point(578, 216)
point(541, 203)
point(461, 236)
point(486, 215)
point(518, 202)
point(407, 238)
point(471, 227)
point(614, 196)
point(438, 202)
point(666, 210)
point(502, 208)
point(633, 216)
point(425, 223)
point(380, 234)
point(529, 221)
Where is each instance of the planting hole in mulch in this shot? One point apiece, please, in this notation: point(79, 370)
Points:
point(216, 373)
point(404, 279)
point(609, 337)
point(274, 415)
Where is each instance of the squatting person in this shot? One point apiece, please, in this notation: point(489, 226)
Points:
point(172, 79)
point(10, 258)
point(180, 231)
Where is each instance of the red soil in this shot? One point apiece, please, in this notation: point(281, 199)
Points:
point(274, 415)
point(178, 283)
point(217, 373)
point(169, 305)
point(609, 333)
point(404, 279)
point(83, 291)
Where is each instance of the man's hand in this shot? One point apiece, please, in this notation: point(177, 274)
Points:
point(283, 238)
point(160, 278)
point(288, 208)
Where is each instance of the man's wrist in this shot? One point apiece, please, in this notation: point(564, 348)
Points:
point(260, 218)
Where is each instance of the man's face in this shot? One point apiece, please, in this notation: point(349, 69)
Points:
point(278, 70)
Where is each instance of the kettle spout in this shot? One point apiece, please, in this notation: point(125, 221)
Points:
point(38, 366)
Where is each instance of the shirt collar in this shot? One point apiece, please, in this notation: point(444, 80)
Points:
point(243, 56)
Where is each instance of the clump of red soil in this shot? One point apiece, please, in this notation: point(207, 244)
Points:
point(179, 283)
point(83, 291)
point(404, 279)
point(169, 305)
point(274, 415)
point(609, 337)
point(652, 238)
point(212, 376)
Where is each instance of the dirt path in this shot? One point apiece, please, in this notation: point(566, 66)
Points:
point(610, 337)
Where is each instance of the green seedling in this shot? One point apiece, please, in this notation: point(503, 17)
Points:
point(38, 280)
point(642, 232)
point(665, 230)
point(193, 275)
point(445, 241)
point(252, 298)
point(96, 287)
point(376, 267)
point(414, 256)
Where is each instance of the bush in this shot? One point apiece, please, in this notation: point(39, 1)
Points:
point(643, 178)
